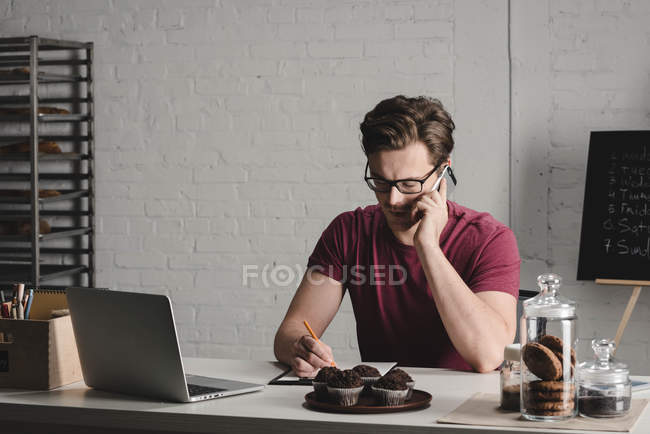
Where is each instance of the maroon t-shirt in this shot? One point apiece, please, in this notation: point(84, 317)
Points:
point(396, 315)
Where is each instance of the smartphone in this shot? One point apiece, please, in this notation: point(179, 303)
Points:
point(448, 174)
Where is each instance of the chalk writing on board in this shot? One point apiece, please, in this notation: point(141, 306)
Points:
point(615, 233)
point(626, 228)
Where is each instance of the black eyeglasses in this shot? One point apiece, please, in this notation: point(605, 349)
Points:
point(405, 186)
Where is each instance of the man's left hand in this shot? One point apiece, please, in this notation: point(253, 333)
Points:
point(432, 207)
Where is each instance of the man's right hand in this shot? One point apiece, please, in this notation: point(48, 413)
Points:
point(309, 355)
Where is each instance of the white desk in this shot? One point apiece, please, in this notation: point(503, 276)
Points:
point(75, 408)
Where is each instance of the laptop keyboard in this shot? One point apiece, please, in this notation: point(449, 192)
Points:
point(195, 390)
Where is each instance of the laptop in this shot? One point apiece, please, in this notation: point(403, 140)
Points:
point(128, 344)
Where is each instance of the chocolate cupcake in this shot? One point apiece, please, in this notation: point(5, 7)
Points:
point(320, 382)
point(368, 374)
point(406, 378)
point(344, 387)
point(390, 390)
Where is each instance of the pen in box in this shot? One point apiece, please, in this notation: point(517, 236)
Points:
point(28, 307)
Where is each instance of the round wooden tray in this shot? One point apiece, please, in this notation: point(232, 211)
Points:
point(367, 404)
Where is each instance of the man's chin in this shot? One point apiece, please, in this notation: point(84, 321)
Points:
point(404, 222)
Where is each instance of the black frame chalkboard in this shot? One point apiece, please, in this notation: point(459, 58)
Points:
point(615, 235)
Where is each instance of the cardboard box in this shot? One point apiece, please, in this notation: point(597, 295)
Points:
point(38, 354)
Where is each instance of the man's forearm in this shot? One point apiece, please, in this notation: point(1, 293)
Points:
point(477, 331)
point(286, 335)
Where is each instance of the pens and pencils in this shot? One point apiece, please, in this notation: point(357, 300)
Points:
point(18, 305)
point(313, 335)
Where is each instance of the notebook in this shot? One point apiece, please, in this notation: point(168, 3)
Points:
point(45, 301)
point(288, 377)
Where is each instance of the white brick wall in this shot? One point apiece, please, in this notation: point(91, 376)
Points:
point(227, 135)
point(578, 66)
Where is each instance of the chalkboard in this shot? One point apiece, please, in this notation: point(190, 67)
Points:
point(615, 236)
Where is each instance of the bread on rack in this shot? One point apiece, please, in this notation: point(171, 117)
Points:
point(15, 71)
point(27, 193)
point(23, 227)
point(43, 110)
point(45, 147)
point(48, 193)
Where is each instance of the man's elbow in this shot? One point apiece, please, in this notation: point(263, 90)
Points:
point(483, 368)
point(491, 358)
point(488, 361)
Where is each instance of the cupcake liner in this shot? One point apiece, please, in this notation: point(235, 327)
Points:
point(411, 385)
point(344, 396)
point(320, 387)
point(368, 382)
point(389, 397)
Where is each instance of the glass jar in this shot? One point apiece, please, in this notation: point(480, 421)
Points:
point(510, 378)
point(548, 358)
point(604, 386)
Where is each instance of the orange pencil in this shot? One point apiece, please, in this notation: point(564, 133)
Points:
point(313, 335)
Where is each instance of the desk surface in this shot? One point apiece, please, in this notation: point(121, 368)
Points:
point(275, 409)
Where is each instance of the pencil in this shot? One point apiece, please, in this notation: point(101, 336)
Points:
point(313, 335)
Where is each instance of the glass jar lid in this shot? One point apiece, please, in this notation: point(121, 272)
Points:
point(603, 369)
point(512, 352)
point(549, 303)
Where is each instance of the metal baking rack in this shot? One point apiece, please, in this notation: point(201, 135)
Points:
point(36, 72)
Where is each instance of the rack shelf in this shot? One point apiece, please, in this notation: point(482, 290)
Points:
point(65, 195)
point(53, 138)
point(21, 215)
point(11, 99)
point(44, 44)
point(26, 251)
point(27, 66)
point(42, 156)
point(42, 78)
point(14, 273)
point(27, 176)
point(73, 117)
point(57, 232)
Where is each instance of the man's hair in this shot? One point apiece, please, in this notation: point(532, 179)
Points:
point(399, 121)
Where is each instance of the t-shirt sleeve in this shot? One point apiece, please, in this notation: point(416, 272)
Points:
point(332, 249)
point(498, 265)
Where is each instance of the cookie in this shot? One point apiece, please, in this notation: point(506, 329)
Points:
point(550, 405)
point(551, 386)
point(541, 361)
point(556, 345)
point(542, 395)
point(566, 412)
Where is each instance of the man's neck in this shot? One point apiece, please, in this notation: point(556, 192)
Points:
point(405, 236)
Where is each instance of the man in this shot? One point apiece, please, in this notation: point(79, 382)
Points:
point(455, 304)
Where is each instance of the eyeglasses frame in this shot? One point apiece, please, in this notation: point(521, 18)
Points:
point(395, 182)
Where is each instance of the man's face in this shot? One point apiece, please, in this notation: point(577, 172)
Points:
point(413, 161)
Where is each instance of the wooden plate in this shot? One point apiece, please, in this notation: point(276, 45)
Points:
point(367, 404)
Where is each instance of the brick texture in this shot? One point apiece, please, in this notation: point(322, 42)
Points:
point(227, 136)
